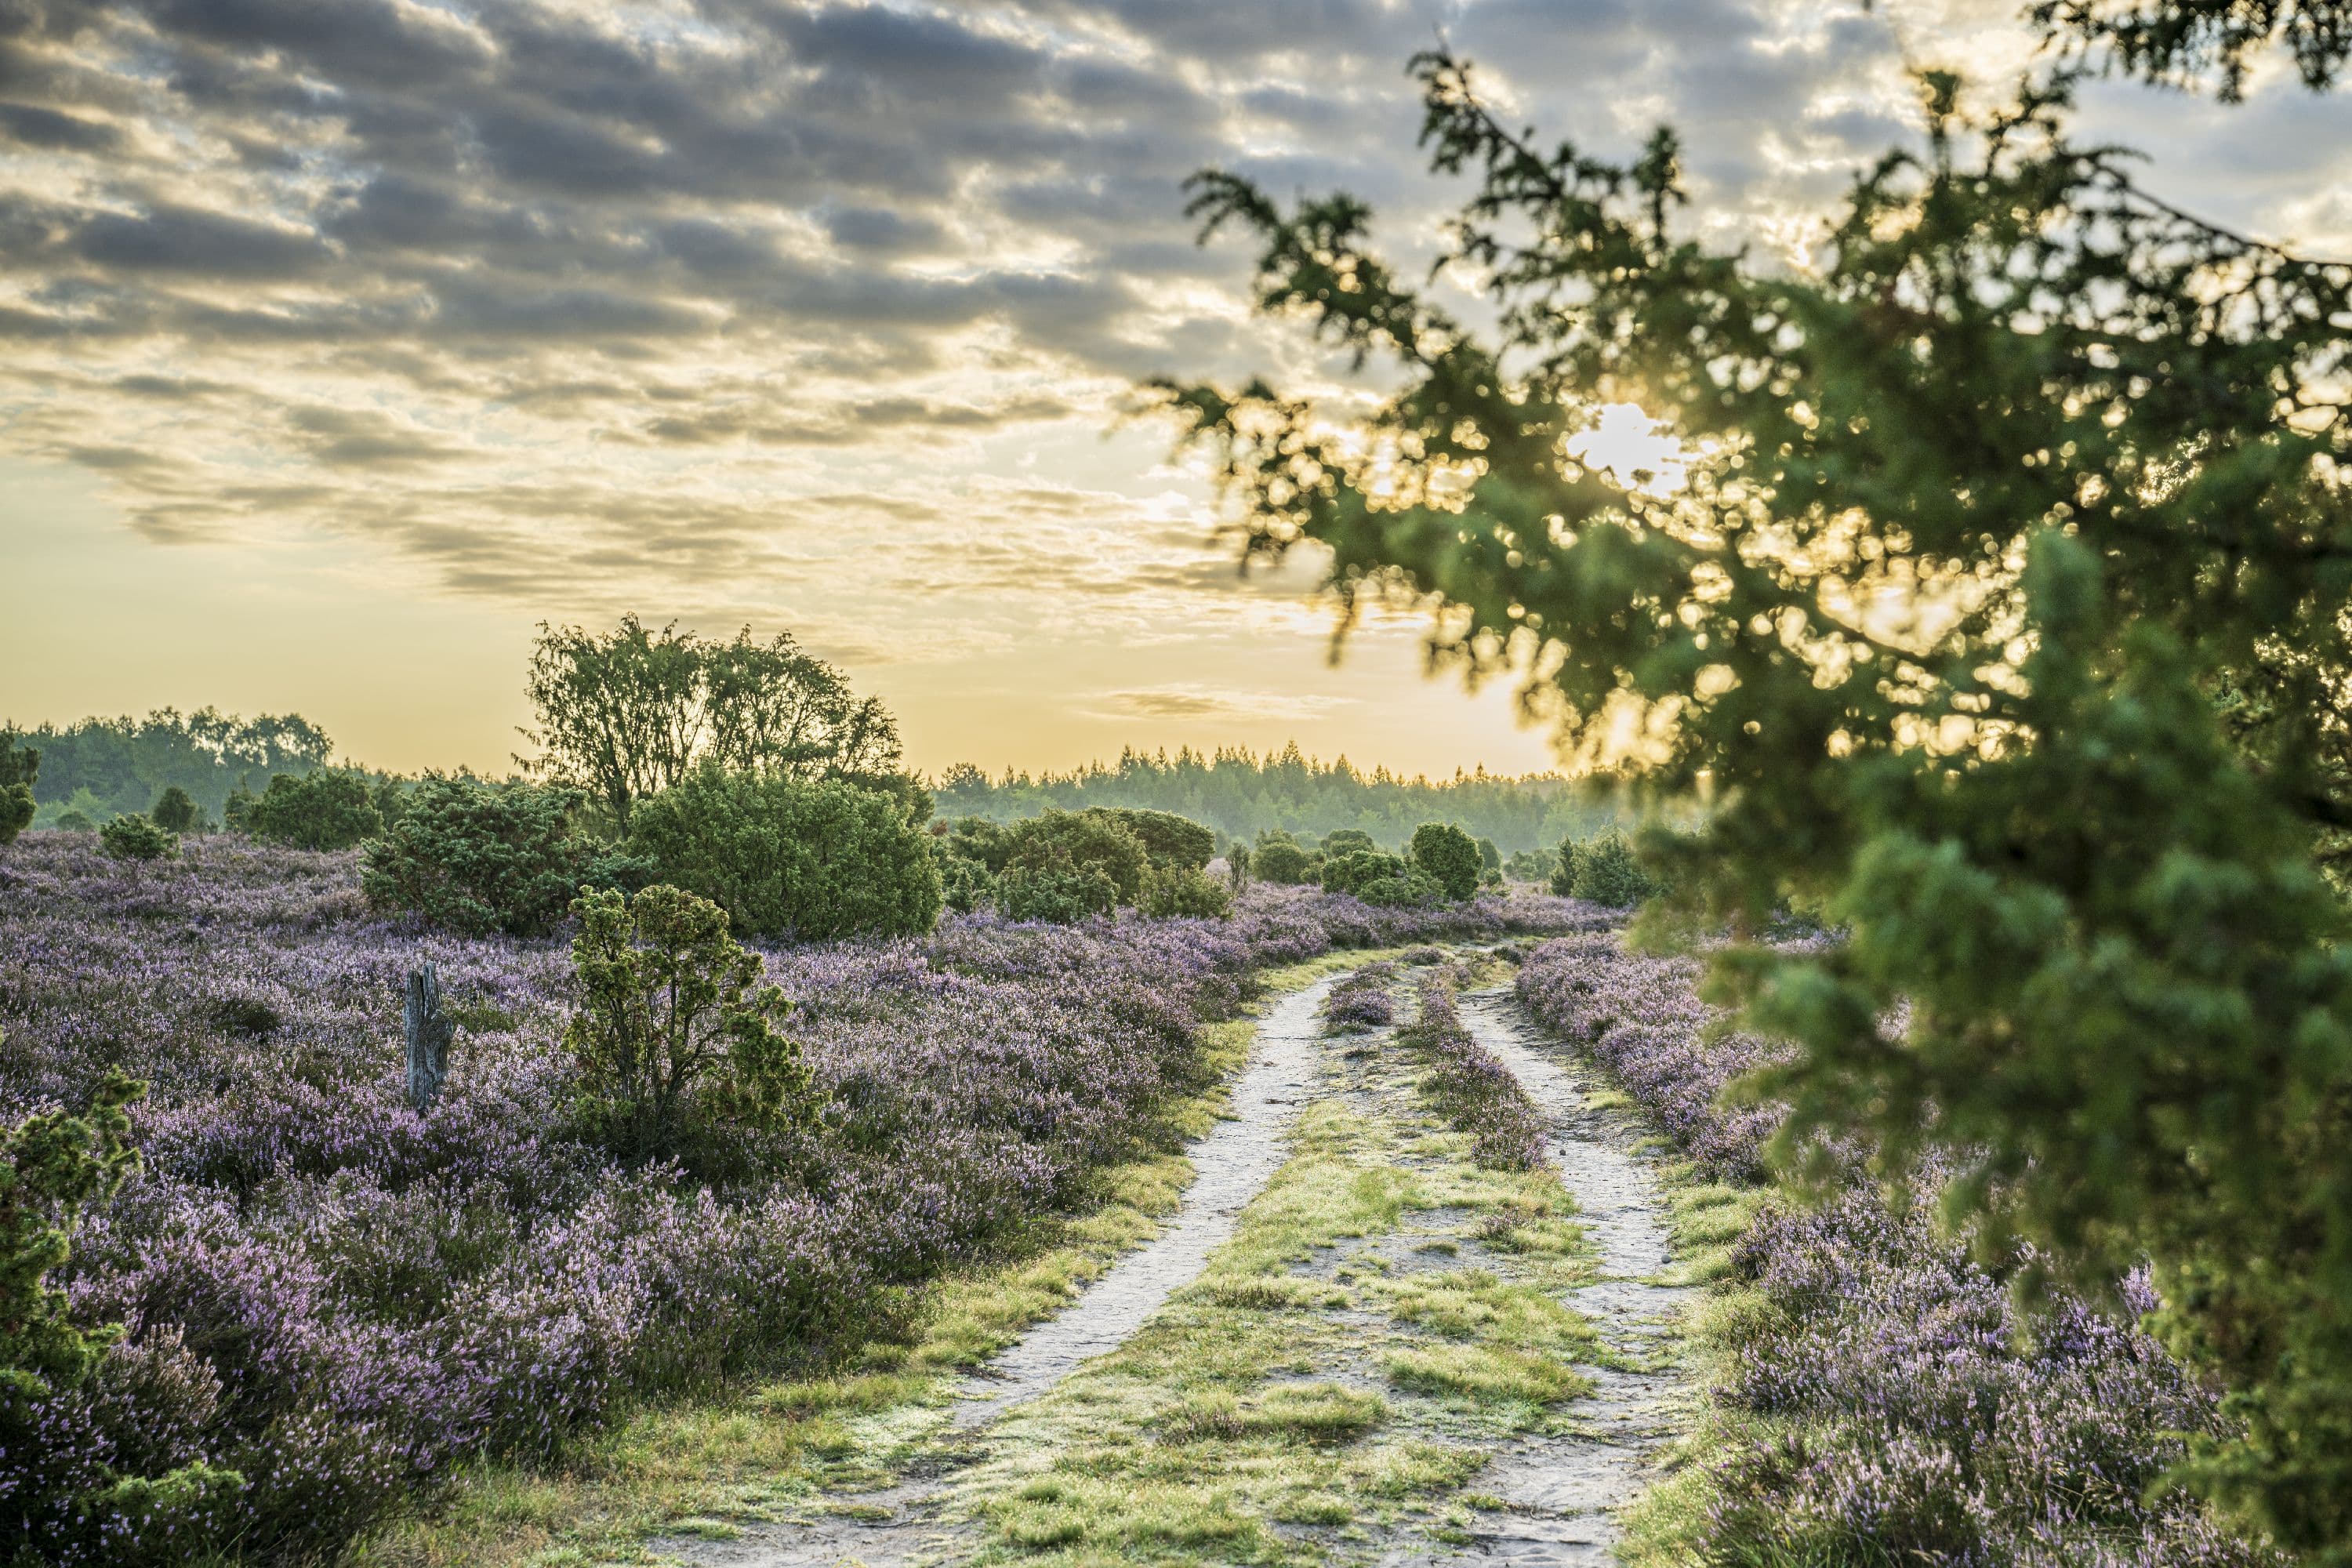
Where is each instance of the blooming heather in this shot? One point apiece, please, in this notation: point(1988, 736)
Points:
point(1470, 1085)
point(1917, 1412)
point(336, 1296)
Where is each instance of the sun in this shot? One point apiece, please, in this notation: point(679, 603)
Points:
point(1630, 446)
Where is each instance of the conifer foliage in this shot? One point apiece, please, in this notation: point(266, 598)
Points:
point(2070, 805)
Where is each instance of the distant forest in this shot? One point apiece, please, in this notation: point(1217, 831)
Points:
point(1239, 793)
point(116, 767)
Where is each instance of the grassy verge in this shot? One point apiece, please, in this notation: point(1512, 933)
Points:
point(750, 1452)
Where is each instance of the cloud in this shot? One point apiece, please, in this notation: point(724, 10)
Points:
point(783, 304)
point(1188, 703)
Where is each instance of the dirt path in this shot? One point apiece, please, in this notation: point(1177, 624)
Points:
point(1233, 1162)
point(1351, 1345)
point(1563, 1489)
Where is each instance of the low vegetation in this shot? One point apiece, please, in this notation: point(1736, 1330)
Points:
point(327, 1299)
point(1880, 1394)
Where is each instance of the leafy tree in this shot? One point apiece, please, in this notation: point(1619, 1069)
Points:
point(476, 859)
point(20, 766)
point(677, 1037)
point(633, 711)
point(322, 810)
point(175, 810)
point(1238, 793)
point(137, 838)
point(2082, 453)
point(820, 859)
point(1447, 856)
point(117, 767)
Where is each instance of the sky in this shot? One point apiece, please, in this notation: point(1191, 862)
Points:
point(342, 342)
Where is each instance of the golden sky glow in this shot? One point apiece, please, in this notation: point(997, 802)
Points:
point(338, 356)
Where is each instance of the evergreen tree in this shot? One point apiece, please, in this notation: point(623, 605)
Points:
point(2068, 805)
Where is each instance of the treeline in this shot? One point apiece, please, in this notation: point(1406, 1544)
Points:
point(105, 768)
point(1241, 795)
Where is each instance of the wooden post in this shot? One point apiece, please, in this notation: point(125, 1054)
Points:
point(430, 1031)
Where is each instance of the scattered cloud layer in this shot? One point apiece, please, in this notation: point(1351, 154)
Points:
point(785, 307)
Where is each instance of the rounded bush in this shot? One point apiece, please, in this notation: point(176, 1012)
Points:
point(1447, 856)
point(817, 860)
point(477, 858)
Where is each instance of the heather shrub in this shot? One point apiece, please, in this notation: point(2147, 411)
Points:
point(321, 810)
point(136, 838)
point(1469, 1084)
point(676, 1036)
point(1179, 891)
point(1448, 857)
point(478, 859)
point(175, 810)
point(817, 859)
point(1363, 1001)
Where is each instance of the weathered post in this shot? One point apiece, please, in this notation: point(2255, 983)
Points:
point(428, 1030)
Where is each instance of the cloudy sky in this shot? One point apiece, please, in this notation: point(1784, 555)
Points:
point(347, 339)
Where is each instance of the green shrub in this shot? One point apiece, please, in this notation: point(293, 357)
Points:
point(1357, 870)
point(1346, 841)
point(1065, 848)
point(72, 821)
point(965, 884)
point(321, 810)
point(819, 859)
point(1603, 869)
point(1279, 858)
point(1532, 866)
point(1412, 888)
point(676, 1038)
point(64, 1501)
point(20, 768)
point(1063, 894)
point(1448, 857)
point(976, 838)
point(478, 859)
point(1173, 891)
point(1168, 839)
point(175, 810)
point(137, 838)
